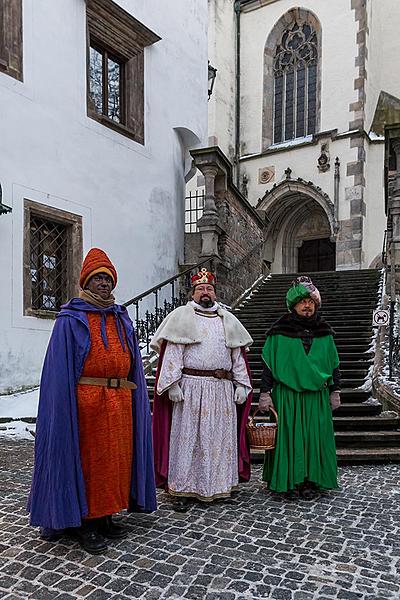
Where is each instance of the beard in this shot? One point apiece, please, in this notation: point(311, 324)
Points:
point(206, 302)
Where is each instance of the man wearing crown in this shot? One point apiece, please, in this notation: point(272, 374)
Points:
point(202, 399)
point(301, 380)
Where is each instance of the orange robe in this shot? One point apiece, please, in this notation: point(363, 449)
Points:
point(105, 423)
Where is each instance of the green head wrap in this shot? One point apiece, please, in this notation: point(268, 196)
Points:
point(302, 287)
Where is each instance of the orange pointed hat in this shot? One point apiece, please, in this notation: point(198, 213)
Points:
point(97, 261)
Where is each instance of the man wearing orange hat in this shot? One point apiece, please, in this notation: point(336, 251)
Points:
point(202, 399)
point(93, 451)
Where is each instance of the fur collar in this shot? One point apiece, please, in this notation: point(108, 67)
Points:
point(292, 325)
point(180, 327)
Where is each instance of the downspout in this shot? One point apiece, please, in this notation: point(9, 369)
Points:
point(237, 95)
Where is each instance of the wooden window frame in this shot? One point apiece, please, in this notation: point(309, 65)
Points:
point(74, 252)
point(11, 38)
point(112, 30)
point(106, 55)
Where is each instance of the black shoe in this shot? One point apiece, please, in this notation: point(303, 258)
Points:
point(111, 530)
point(308, 492)
point(181, 504)
point(90, 539)
point(277, 496)
point(291, 495)
point(50, 535)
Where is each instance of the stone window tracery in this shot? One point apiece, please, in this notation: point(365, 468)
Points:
point(295, 68)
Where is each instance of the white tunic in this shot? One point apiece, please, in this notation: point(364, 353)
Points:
point(203, 453)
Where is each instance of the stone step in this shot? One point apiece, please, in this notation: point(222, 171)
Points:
point(357, 439)
point(366, 423)
point(368, 455)
point(353, 455)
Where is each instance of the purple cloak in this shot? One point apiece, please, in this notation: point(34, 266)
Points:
point(57, 498)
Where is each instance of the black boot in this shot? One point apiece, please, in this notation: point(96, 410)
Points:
point(180, 504)
point(89, 537)
point(111, 530)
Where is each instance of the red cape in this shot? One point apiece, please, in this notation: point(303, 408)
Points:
point(162, 415)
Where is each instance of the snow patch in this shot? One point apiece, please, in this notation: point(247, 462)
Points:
point(19, 405)
point(18, 430)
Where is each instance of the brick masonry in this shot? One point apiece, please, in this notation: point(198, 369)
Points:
point(346, 546)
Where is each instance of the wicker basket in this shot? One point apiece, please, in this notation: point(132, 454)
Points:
point(262, 436)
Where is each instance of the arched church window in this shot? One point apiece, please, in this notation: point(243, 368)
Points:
point(295, 70)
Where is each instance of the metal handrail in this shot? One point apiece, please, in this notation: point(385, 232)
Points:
point(166, 282)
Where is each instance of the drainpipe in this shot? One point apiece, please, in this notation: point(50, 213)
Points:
point(336, 195)
point(237, 8)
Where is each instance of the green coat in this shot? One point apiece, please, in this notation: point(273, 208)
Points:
point(305, 448)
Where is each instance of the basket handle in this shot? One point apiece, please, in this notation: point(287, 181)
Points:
point(272, 409)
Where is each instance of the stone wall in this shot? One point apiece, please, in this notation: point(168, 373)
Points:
point(240, 244)
point(230, 228)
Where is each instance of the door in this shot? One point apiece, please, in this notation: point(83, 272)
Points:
point(317, 255)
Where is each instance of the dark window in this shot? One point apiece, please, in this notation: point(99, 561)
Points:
point(11, 38)
point(295, 90)
point(106, 76)
point(52, 258)
point(116, 43)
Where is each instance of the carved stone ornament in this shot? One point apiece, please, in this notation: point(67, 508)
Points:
point(324, 159)
point(266, 175)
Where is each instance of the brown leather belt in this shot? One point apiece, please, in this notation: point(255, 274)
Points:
point(109, 382)
point(217, 373)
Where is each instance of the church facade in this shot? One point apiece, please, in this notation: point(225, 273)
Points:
point(299, 106)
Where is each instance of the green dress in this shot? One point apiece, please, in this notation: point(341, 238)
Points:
point(305, 445)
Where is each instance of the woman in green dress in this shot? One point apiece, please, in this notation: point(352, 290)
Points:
point(301, 380)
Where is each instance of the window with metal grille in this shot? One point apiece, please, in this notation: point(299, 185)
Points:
point(48, 264)
point(295, 83)
point(194, 207)
point(52, 258)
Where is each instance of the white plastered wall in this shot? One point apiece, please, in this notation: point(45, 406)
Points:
point(131, 197)
point(222, 54)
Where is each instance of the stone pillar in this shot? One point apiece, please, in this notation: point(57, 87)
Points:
point(208, 223)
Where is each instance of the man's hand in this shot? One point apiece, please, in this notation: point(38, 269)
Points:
point(175, 393)
point(240, 395)
point(334, 399)
point(265, 402)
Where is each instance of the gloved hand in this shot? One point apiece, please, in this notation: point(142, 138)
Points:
point(240, 395)
point(175, 393)
point(334, 399)
point(265, 402)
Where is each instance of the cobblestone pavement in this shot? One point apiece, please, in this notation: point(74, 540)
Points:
point(345, 546)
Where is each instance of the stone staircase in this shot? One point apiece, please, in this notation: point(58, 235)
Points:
point(348, 299)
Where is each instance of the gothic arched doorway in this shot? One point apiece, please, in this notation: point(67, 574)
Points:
point(316, 255)
point(301, 231)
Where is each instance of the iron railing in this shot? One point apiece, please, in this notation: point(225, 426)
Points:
point(194, 207)
point(155, 304)
point(394, 341)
